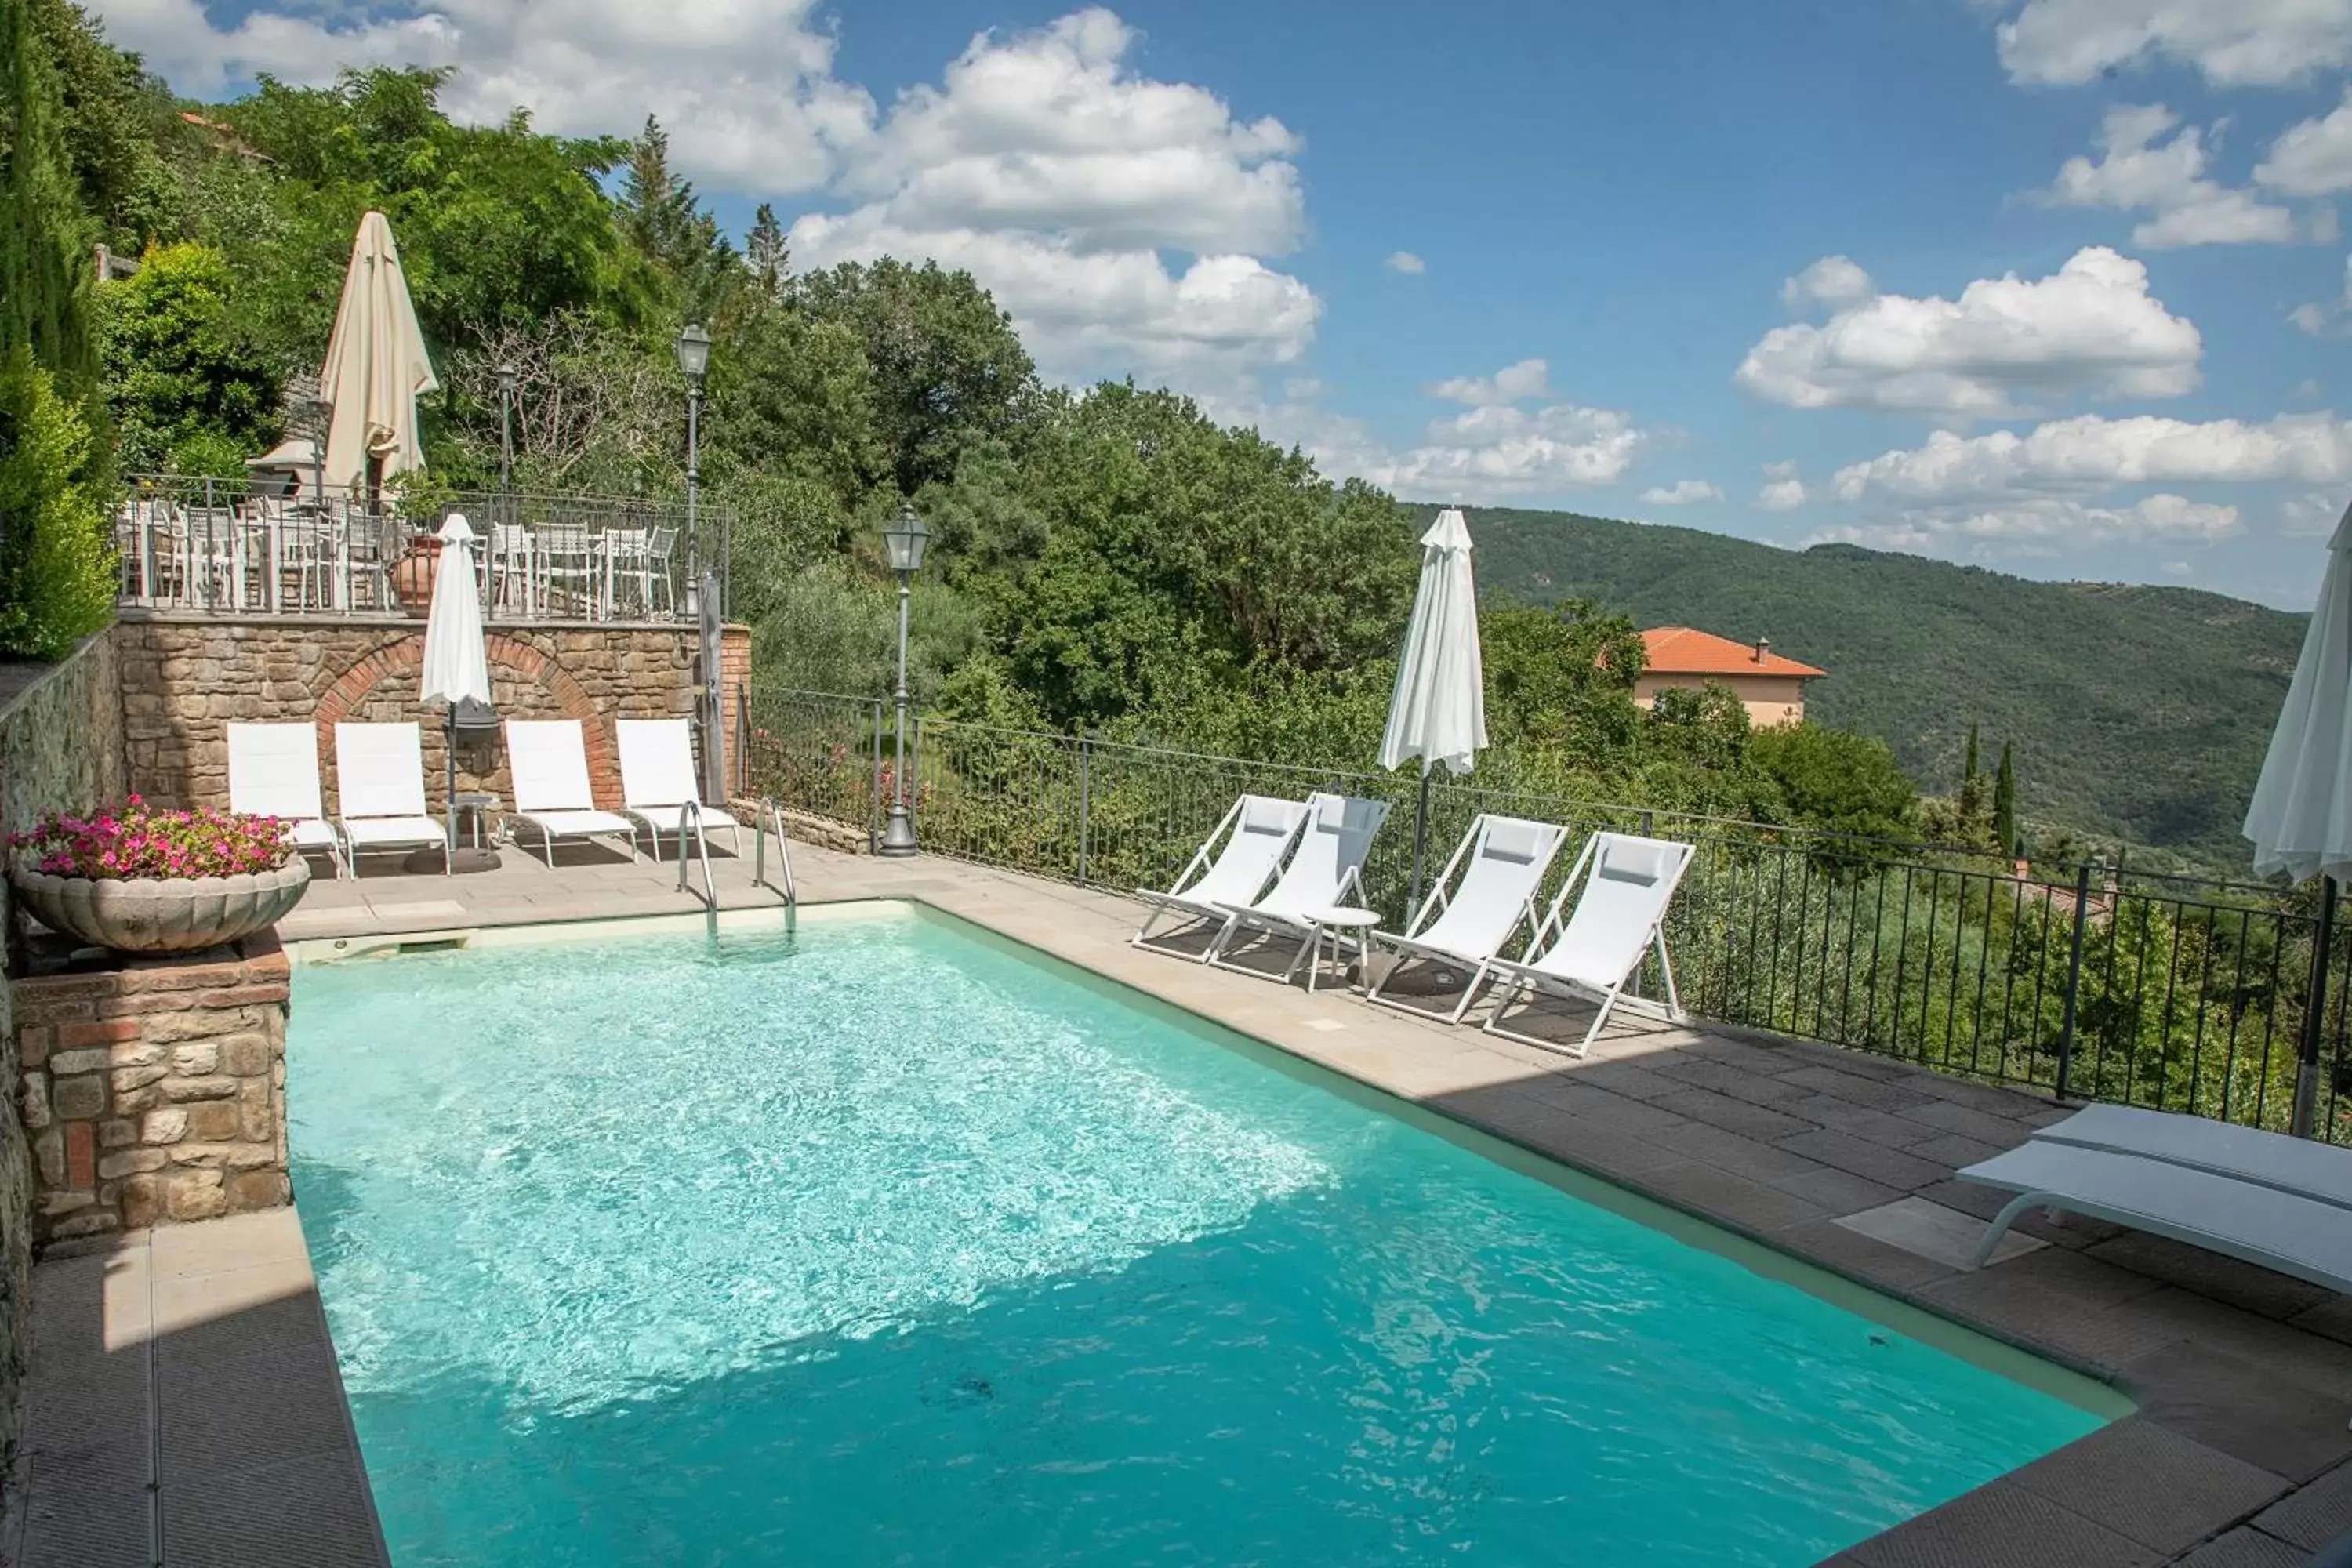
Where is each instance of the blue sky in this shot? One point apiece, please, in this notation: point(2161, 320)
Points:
point(2088, 319)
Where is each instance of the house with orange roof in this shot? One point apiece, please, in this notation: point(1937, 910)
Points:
point(1772, 686)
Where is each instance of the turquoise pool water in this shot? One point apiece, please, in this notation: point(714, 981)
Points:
point(880, 1245)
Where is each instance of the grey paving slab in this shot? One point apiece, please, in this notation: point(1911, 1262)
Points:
point(2245, 1547)
point(1931, 1231)
point(2224, 1279)
point(1856, 1089)
point(1728, 1199)
point(2243, 1409)
point(2001, 1526)
point(2158, 1487)
point(1881, 1127)
point(2315, 1513)
point(1732, 1115)
point(1873, 1162)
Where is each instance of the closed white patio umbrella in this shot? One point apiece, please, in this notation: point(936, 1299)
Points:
point(1438, 712)
point(457, 664)
point(2301, 818)
point(376, 367)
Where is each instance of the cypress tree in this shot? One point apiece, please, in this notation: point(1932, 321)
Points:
point(2004, 803)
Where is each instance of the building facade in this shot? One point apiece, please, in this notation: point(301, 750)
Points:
point(1771, 686)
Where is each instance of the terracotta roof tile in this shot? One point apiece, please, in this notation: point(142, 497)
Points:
point(1685, 650)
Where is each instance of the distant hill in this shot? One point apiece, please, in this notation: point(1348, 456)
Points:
point(2139, 714)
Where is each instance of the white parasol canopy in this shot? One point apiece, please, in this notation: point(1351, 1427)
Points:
point(1438, 713)
point(376, 366)
point(455, 666)
point(2301, 818)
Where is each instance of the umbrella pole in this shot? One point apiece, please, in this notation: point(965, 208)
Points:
point(2315, 1009)
point(1420, 845)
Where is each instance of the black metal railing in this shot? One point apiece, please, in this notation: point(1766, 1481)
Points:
point(235, 548)
point(2172, 993)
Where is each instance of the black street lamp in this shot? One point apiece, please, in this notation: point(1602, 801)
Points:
point(693, 362)
point(904, 538)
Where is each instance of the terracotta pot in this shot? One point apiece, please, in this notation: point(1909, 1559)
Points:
point(411, 579)
point(151, 914)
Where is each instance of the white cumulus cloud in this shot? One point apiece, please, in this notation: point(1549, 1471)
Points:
point(746, 89)
point(2136, 171)
point(2311, 157)
point(2044, 526)
point(1783, 490)
point(1512, 383)
point(1406, 262)
point(1833, 280)
point(2234, 43)
point(1122, 221)
point(1682, 492)
point(2313, 514)
point(2092, 327)
point(2090, 453)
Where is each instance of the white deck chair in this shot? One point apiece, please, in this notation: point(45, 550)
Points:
point(1258, 831)
point(273, 770)
point(657, 780)
point(2320, 1172)
point(1502, 861)
point(1615, 899)
point(2262, 1225)
point(1325, 871)
point(548, 761)
point(380, 792)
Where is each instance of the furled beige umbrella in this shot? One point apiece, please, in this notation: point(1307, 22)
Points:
point(376, 368)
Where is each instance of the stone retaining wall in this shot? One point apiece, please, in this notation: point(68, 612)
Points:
point(60, 749)
point(185, 677)
point(154, 1089)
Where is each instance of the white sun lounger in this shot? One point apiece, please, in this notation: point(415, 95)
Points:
point(273, 770)
point(380, 792)
point(2262, 1225)
point(657, 780)
point(1502, 861)
point(548, 761)
point(2308, 1168)
point(1256, 833)
point(1324, 872)
point(1619, 889)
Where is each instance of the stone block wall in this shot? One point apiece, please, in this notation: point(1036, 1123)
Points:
point(154, 1089)
point(60, 749)
point(185, 678)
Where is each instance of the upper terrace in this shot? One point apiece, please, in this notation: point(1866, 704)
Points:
point(264, 548)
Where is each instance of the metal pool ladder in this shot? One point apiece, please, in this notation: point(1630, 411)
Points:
point(691, 813)
point(772, 815)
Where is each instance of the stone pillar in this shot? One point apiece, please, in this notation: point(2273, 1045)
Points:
point(735, 679)
point(154, 1089)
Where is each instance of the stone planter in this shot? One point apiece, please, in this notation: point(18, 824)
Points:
point(150, 914)
point(411, 579)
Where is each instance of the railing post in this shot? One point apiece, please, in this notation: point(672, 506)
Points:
point(874, 813)
point(1649, 824)
point(742, 743)
point(2315, 1015)
point(1086, 802)
point(2074, 980)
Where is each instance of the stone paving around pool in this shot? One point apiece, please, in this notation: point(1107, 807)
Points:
point(2236, 1458)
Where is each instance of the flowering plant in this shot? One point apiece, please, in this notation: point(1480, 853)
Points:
point(135, 839)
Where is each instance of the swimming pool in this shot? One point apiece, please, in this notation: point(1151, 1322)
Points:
point(885, 1243)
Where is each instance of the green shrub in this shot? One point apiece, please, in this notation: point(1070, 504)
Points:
point(64, 586)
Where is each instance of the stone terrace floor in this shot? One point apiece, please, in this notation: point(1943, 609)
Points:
point(2238, 1455)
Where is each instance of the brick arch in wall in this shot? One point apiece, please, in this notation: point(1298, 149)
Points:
point(406, 655)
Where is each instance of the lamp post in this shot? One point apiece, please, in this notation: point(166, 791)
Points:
point(693, 362)
point(905, 539)
point(506, 380)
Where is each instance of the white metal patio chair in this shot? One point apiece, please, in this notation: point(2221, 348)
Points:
point(380, 792)
point(273, 770)
point(1249, 841)
point(1502, 861)
point(1615, 901)
point(657, 780)
point(1324, 872)
point(547, 759)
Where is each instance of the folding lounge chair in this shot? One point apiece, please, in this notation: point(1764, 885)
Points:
point(380, 791)
point(1256, 833)
point(2283, 1231)
point(1502, 861)
point(657, 780)
point(273, 770)
point(1326, 872)
point(2320, 1172)
point(548, 761)
point(1620, 887)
